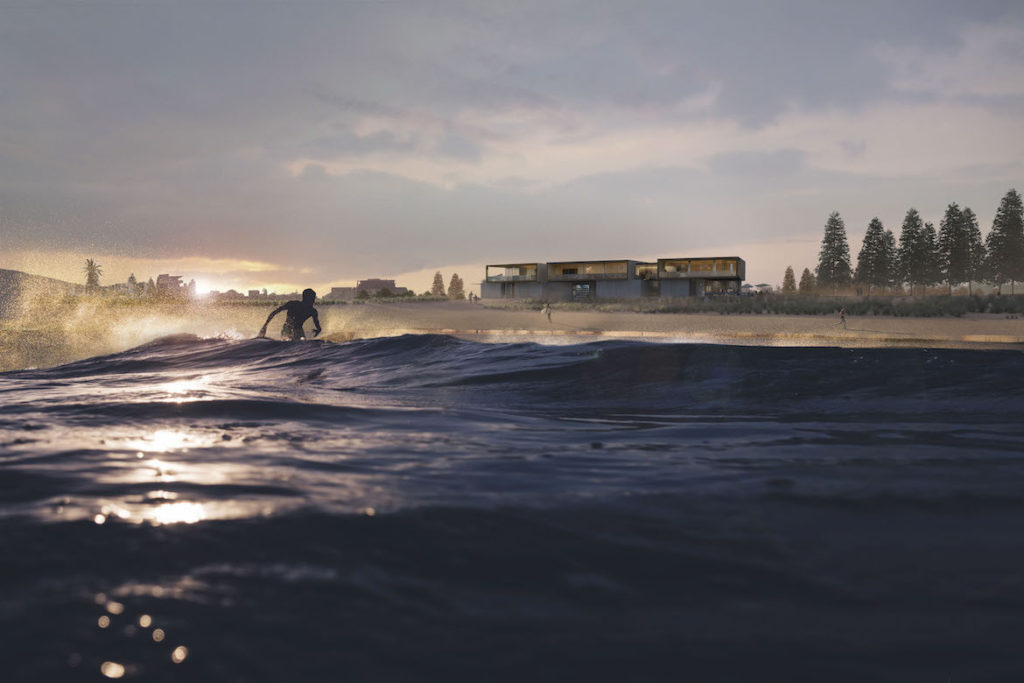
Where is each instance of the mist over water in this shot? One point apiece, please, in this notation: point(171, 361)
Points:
point(42, 331)
point(427, 508)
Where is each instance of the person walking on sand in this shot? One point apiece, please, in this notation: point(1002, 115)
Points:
point(547, 311)
point(298, 313)
point(842, 317)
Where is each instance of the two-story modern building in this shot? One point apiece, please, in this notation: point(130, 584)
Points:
point(614, 279)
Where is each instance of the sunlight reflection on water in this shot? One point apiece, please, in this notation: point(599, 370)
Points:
point(184, 390)
point(168, 440)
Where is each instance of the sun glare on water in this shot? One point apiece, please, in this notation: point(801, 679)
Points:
point(184, 390)
point(168, 440)
point(177, 513)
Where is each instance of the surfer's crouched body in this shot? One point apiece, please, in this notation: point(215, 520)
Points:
point(298, 313)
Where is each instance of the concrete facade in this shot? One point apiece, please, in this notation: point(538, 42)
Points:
point(613, 279)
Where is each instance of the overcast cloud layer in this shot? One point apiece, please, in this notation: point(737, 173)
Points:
point(326, 141)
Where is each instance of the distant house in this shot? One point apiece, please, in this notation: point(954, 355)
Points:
point(374, 285)
point(617, 278)
point(370, 287)
point(168, 284)
point(341, 294)
point(762, 288)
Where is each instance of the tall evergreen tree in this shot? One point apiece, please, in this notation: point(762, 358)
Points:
point(437, 288)
point(932, 259)
point(789, 281)
point(834, 269)
point(874, 262)
point(954, 250)
point(133, 285)
point(1005, 242)
point(913, 261)
point(890, 250)
point(975, 247)
point(456, 289)
point(807, 283)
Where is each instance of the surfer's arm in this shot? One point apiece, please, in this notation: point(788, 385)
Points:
point(263, 330)
point(316, 323)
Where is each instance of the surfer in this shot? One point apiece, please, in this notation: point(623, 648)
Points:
point(298, 313)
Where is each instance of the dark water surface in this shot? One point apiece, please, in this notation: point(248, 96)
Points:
point(425, 508)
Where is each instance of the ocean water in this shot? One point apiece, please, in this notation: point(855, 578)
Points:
point(428, 508)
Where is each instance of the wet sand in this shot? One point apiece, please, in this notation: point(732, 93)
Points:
point(480, 321)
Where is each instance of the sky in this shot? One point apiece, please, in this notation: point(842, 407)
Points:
point(292, 144)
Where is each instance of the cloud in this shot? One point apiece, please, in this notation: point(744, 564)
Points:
point(783, 161)
point(360, 139)
point(987, 61)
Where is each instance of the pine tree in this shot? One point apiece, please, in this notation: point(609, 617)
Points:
point(455, 288)
point(437, 289)
point(912, 259)
point(874, 262)
point(807, 283)
point(834, 269)
point(954, 250)
point(891, 258)
point(975, 248)
point(789, 281)
point(133, 285)
point(1005, 242)
point(930, 252)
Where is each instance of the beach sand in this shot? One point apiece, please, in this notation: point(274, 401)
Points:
point(481, 321)
point(89, 330)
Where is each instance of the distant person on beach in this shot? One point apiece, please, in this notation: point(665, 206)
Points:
point(842, 317)
point(298, 313)
point(547, 311)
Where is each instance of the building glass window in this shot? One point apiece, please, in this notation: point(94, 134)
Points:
point(618, 268)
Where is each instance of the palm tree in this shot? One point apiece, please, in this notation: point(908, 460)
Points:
point(93, 271)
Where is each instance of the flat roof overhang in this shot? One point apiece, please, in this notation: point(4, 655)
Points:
point(702, 258)
point(532, 277)
point(588, 261)
point(555, 276)
point(740, 274)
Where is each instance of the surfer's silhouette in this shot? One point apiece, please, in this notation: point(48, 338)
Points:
point(298, 313)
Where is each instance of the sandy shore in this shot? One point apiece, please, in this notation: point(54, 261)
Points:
point(75, 334)
point(480, 321)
